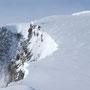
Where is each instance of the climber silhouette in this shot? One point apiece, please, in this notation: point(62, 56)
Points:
point(30, 32)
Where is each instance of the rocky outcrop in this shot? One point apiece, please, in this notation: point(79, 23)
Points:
point(14, 52)
point(20, 43)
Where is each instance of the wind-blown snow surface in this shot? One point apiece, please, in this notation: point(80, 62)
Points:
point(69, 67)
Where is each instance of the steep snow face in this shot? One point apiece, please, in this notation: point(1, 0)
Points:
point(82, 13)
point(40, 45)
point(69, 67)
point(21, 43)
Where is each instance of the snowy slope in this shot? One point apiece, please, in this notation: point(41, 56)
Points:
point(67, 68)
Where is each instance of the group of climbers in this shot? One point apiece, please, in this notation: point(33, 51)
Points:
point(30, 30)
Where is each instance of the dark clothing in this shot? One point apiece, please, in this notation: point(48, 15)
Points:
point(30, 33)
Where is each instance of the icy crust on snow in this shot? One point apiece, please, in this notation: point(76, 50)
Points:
point(39, 46)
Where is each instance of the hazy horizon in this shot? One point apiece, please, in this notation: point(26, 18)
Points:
point(16, 11)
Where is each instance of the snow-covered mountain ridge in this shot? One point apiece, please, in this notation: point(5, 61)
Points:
point(19, 44)
point(69, 67)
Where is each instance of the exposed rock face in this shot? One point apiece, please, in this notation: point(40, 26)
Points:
point(20, 43)
point(8, 40)
point(14, 52)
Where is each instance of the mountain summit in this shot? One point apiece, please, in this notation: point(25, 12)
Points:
point(19, 44)
point(68, 68)
point(82, 13)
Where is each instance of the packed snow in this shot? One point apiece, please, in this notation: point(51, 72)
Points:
point(68, 67)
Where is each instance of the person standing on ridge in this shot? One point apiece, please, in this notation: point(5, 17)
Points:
point(30, 32)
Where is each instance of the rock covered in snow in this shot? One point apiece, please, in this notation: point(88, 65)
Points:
point(21, 43)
